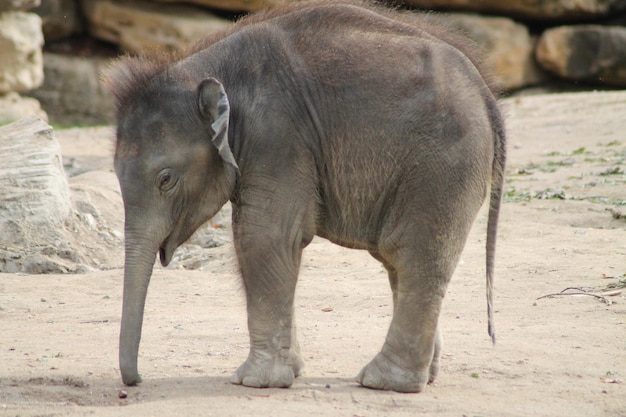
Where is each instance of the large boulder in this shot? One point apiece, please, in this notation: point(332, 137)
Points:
point(21, 40)
point(35, 195)
point(14, 107)
point(588, 53)
point(35, 187)
point(535, 9)
point(138, 25)
point(6, 5)
point(49, 224)
point(231, 5)
point(61, 18)
point(72, 92)
point(506, 47)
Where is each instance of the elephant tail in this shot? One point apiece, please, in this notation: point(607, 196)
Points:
point(495, 199)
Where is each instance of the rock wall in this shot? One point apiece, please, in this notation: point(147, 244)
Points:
point(21, 61)
point(526, 43)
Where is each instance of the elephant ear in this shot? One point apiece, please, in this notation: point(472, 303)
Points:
point(213, 103)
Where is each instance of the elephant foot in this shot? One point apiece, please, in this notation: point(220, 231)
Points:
point(128, 369)
point(263, 371)
point(434, 370)
point(131, 380)
point(382, 373)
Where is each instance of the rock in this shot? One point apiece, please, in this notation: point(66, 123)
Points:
point(138, 25)
point(588, 53)
point(35, 196)
point(97, 194)
point(200, 251)
point(87, 149)
point(506, 46)
point(14, 107)
point(535, 9)
point(21, 63)
point(72, 92)
point(6, 5)
point(230, 5)
point(34, 186)
point(47, 223)
point(60, 18)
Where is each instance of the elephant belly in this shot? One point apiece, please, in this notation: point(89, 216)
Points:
point(353, 222)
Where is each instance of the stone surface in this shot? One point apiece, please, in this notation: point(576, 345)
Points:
point(72, 92)
point(506, 47)
point(49, 223)
point(60, 18)
point(6, 5)
point(138, 25)
point(21, 40)
point(35, 196)
point(534, 9)
point(232, 5)
point(14, 107)
point(588, 53)
point(35, 187)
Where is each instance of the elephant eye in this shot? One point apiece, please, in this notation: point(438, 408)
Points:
point(166, 180)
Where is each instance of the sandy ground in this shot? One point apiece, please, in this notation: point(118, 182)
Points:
point(562, 227)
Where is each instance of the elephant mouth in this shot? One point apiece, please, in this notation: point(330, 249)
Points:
point(166, 251)
point(170, 244)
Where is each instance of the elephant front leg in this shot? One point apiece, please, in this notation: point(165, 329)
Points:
point(274, 359)
point(269, 273)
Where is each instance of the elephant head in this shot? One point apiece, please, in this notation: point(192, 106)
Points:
point(176, 171)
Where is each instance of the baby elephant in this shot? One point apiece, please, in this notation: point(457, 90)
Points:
point(362, 125)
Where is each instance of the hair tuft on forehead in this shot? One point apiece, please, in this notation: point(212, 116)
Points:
point(129, 76)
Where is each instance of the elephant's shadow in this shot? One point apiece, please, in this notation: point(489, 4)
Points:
point(94, 391)
point(218, 386)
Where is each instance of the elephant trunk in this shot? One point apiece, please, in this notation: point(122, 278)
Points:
point(138, 264)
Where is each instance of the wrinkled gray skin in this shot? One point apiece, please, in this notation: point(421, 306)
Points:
point(327, 120)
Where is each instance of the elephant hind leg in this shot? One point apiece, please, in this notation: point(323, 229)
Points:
point(391, 273)
point(434, 365)
point(409, 358)
point(393, 282)
point(420, 272)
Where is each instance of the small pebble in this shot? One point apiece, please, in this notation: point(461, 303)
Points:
point(327, 385)
point(122, 394)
